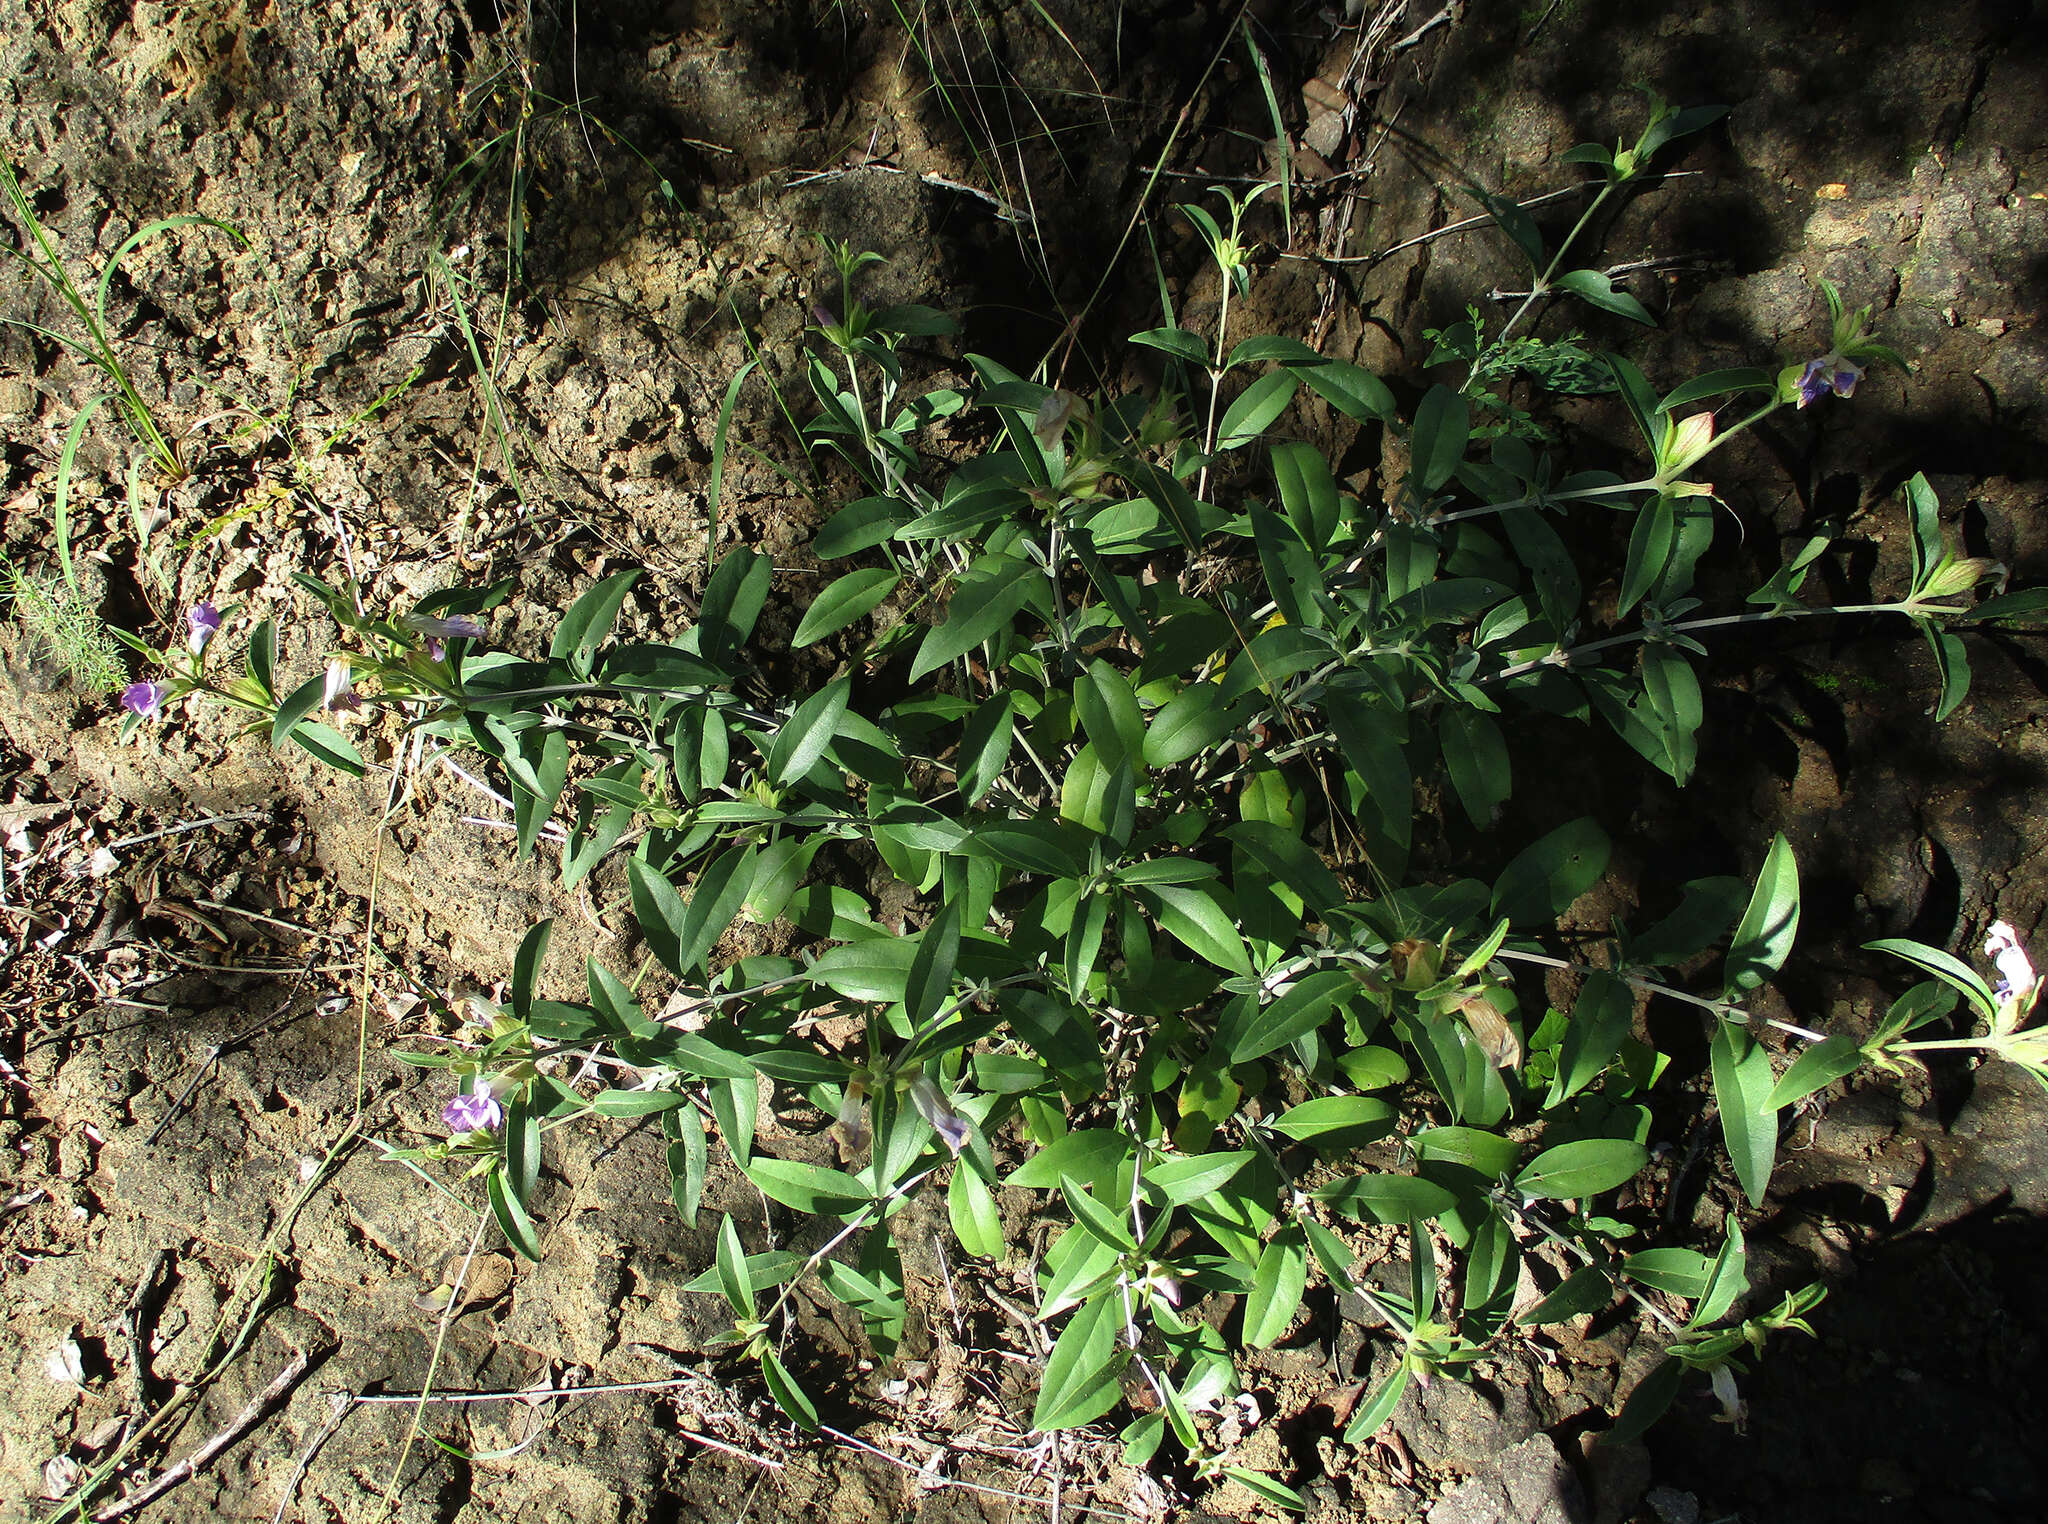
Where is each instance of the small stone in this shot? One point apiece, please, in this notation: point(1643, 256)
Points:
point(1672, 1506)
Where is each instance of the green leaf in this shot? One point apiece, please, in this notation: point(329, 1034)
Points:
point(1674, 694)
point(985, 747)
point(1717, 383)
point(1585, 1290)
point(931, 972)
point(589, 621)
point(1374, 1068)
point(1080, 1382)
point(1708, 910)
point(1388, 1199)
point(1256, 409)
point(1583, 1168)
point(1545, 877)
point(1032, 846)
point(682, 935)
point(1091, 1155)
point(1301, 1009)
point(787, 1394)
point(1556, 575)
point(637, 1103)
point(1262, 1485)
point(877, 969)
point(972, 1207)
point(1272, 346)
point(810, 731)
point(1179, 342)
point(688, 1160)
point(985, 602)
point(1682, 1272)
point(1484, 1153)
point(1189, 724)
point(1194, 918)
point(1641, 401)
point(329, 746)
point(1185, 1178)
point(1650, 544)
point(1277, 1287)
point(847, 599)
point(1173, 500)
point(1352, 390)
point(1476, 757)
point(735, 1282)
point(511, 1214)
point(1951, 970)
point(1443, 424)
point(1288, 858)
point(1646, 1404)
point(1595, 287)
point(526, 965)
point(1308, 492)
point(1109, 713)
point(860, 525)
point(1091, 1216)
point(1339, 1121)
point(1768, 927)
point(1726, 1281)
point(1514, 221)
point(296, 705)
point(1599, 1022)
point(806, 1187)
point(522, 1147)
point(1951, 664)
point(1819, 1066)
point(1371, 1414)
point(732, 602)
point(1742, 1093)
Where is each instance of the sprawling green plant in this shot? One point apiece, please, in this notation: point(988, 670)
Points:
point(1151, 767)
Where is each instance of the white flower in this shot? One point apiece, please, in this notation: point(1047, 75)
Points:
point(2016, 976)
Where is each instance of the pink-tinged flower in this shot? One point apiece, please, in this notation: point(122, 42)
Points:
point(1830, 373)
point(145, 699)
point(451, 627)
point(2016, 976)
point(472, 1113)
point(203, 622)
point(339, 696)
point(437, 650)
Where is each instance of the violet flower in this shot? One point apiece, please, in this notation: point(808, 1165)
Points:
point(1830, 373)
point(470, 1112)
point(203, 621)
point(933, 1107)
point(145, 699)
point(449, 627)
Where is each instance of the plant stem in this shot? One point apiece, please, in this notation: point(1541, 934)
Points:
point(1726, 1010)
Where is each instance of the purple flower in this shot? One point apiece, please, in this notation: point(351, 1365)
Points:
point(452, 627)
point(436, 649)
point(145, 699)
point(933, 1107)
point(1830, 373)
point(472, 1113)
point(203, 619)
